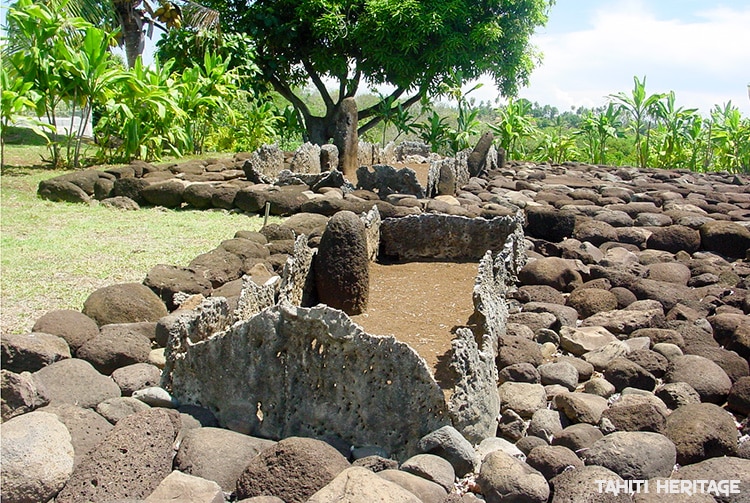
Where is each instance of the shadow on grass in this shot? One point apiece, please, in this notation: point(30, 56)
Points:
point(14, 135)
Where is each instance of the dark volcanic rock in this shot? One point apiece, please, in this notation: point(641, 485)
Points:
point(73, 326)
point(342, 276)
point(131, 461)
point(675, 238)
point(728, 238)
point(701, 431)
point(123, 303)
point(293, 470)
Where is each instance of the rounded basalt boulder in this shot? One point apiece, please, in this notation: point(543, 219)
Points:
point(502, 477)
point(198, 195)
point(559, 273)
point(674, 238)
point(707, 378)
point(634, 454)
point(589, 301)
point(293, 469)
point(728, 238)
point(131, 188)
point(37, 457)
point(739, 397)
point(31, 352)
point(167, 194)
point(342, 275)
point(74, 381)
point(218, 266)
point(118, 345)
point(124, 303)
point(73, 326)
point(549, 223)
point(57, 189)
point(166, 280)
point(701, 431)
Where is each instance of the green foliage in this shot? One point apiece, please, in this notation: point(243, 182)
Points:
point(252, 124)
point(143, 118)
point(392, 113)
point(204, 92)
point(187, 46)
point(640, 108)
point(730, 137)
point(596, 129)
point(434, 131)
point(556, 145)
point(62, 60)
point(18, 97)
point(513, 127)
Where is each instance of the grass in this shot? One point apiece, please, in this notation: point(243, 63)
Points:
point(53, 255)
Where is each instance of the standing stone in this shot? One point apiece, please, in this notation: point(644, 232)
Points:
point(329, 157)
point(345, 136)
point(342, 274)
point(477, 158)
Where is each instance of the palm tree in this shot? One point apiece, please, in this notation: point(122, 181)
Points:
point(136, 19)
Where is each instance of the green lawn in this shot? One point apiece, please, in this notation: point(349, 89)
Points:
point(53, 255)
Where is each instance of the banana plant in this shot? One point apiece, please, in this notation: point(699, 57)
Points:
point(555, 146)
point(596, 129)
point(18, 97)
point(640, 108)
point(434, 131)
point(513, 127)
point(91, 76)
point(730, 138)
point(673, 148)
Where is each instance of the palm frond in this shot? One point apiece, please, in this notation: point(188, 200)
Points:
point(199, 16)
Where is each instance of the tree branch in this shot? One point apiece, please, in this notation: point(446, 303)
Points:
point(375, 120)
point(319, 85)
point(369, 112)
point(355, 84)
point(288, 94)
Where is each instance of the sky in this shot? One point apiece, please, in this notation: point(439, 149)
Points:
point(700, 49)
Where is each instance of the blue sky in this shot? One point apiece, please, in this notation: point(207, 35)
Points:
point(698, 48)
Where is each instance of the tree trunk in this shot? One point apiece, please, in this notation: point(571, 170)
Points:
point(318, 129)
point(131, 23)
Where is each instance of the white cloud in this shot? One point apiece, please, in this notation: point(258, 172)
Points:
point(705, 60)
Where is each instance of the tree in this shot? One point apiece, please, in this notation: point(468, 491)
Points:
point(410, 45)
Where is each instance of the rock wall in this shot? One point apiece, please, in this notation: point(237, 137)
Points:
point(311, 372)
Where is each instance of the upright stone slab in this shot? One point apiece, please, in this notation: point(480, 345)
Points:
point(297, 281)
point(306, 159)
point(311, 372)
point(388, 180)
point(329, 157)
point(478, 157)
point(450, 237)
point(345, 136)
point(446, 176)
point(475, 404)
point(265, 164)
